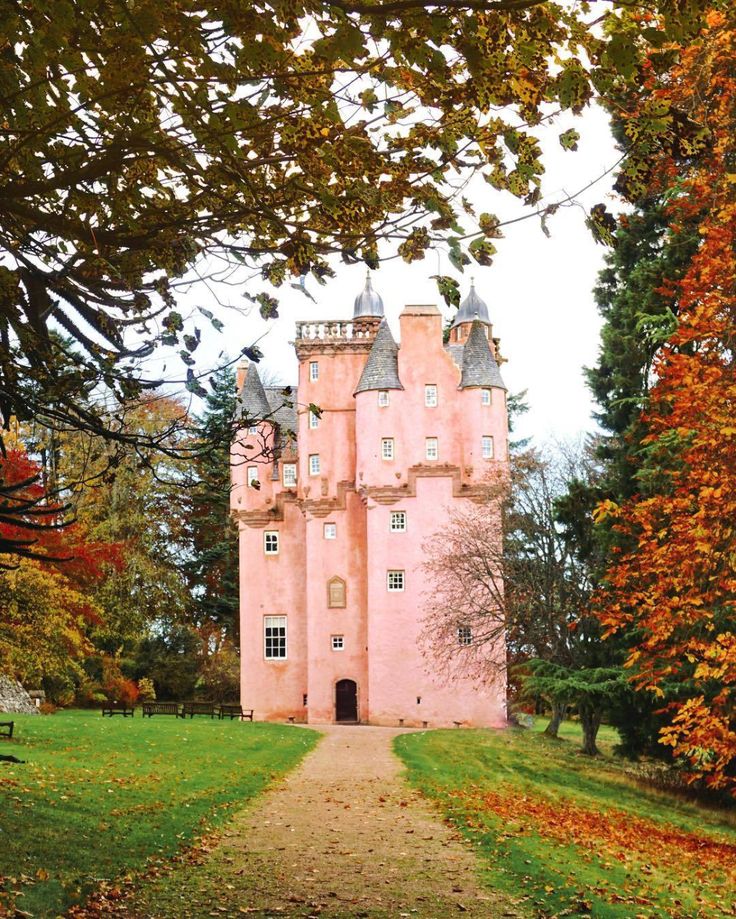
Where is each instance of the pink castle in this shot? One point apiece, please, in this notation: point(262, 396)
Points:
point(335, 488)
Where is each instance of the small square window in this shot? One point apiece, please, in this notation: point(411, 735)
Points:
point(395, 581)
point(252, 475)
point(253, 429)
point(338, 642)
point(289, 475)
point(313, 420)
point(382, 398)
point(486, 446)
point(330, 531)
point(398, 521)
point(271, 542)
point(387, 448)
point(274, 637)
point(314, 464)
point(314, 370)
point(430, 395)
point(464, 635)
point(431, 448)
point(485, 397)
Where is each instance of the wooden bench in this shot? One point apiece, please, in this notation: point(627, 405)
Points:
point(161, 708)
point(198, 708)
point(6, 728)
point(233, 710)
point(118, 708)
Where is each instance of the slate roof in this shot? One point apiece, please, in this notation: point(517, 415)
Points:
point(381, 370)
point(368, 302)
point(253, 401)
point(479, 367)
point(472, 308)
point(282, 400)
point(276, 403)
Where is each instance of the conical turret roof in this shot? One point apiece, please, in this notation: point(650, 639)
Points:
point(381, 370)
point(472, 308)
point(253, 400)
point(479, 365)
point(368, 302)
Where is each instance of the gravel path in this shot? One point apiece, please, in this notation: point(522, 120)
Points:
point(341, 836)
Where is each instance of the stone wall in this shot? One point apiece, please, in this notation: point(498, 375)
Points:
point(13, 698)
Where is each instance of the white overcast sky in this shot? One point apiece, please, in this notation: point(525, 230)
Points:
point(538, 290)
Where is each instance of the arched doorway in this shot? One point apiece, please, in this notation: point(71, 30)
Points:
point(346, 700)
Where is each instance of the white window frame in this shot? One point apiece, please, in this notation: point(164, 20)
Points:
point(387, 448)
point(431, 448)
point(253, 429)
point(290, 479)
point(464, 636)
point(271, 542)
point(487, 447)
point(329, 531)
point(313, 371)
point(431, 395)
point(251, 475)
point(277, 643)
point(314, 467)
point(397, 522)
point(383, 398)
point(313, 420)
point(395, 580)
point(485, 397)
point(337, 642)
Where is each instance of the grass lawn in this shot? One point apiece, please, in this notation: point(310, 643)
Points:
point(99, 797)
point(571, 836)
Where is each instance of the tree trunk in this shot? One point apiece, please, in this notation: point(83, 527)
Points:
point(559, 710)
point(590, 720)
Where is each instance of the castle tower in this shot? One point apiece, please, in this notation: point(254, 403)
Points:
point(389, 438)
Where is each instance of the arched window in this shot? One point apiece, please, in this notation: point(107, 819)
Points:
point(336, 593)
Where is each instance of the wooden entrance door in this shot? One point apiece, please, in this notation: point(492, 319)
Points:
point(346, 700)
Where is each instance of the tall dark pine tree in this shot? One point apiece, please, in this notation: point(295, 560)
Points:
point(212, 569)
point(637, 296)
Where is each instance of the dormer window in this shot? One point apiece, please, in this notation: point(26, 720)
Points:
point(485, 397)
point(430, 395)
point(313, 370)
point(383, 398)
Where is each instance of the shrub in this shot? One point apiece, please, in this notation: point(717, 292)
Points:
point(146, 689)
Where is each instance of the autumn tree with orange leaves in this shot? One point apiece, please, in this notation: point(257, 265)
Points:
point(672, 581)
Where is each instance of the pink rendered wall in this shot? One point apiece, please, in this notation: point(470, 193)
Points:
point(334, 439)
point(345, 558)
point(398, 673)
point(273, 586)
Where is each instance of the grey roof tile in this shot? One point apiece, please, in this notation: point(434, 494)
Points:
point(253, 401)
point(381, 370)
point(282, 400)
point(479, 365)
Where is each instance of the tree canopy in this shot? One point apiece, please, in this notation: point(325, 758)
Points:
point(147, 144)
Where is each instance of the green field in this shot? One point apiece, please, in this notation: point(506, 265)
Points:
point(98, 797)
point(569, 836)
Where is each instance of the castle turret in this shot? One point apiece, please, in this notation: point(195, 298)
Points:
point(368, 302)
